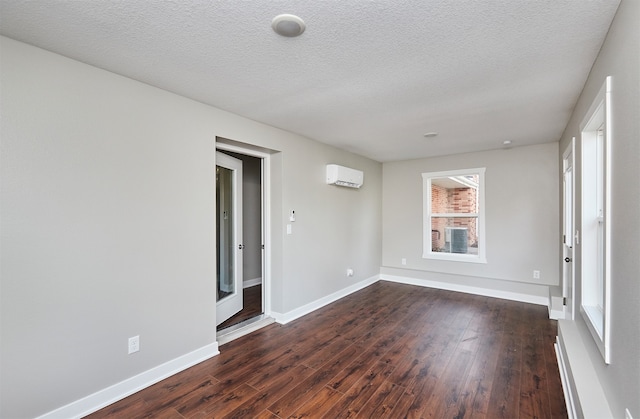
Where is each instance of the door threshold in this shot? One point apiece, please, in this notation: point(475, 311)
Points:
point(230, 333)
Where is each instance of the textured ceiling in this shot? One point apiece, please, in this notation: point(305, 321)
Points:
point(367, 76)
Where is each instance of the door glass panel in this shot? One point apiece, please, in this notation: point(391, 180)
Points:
point(224, 229)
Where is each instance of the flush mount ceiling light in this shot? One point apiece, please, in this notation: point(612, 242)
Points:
point(288, 25)
point(430, 134)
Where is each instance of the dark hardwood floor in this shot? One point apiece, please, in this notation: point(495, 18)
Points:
point(252, 306)
point(389, 350)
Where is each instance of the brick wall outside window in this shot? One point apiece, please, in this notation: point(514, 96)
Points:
point(453, 200)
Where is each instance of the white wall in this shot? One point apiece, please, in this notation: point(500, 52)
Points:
point(619, 58)
point(108, 226)
point(522, 231)
point(336, 228)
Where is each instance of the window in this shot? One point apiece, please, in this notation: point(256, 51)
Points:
point(596, 167)
point(454, 215)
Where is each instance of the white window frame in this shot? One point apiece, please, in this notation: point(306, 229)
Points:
point(595, 278)
point(427, 252)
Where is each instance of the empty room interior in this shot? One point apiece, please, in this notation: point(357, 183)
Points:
point(320, 209)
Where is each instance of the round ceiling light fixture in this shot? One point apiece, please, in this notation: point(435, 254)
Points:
point(430, 134)
point(288, 25)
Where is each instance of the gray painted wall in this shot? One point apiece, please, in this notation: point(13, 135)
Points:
point(522, 230)
point(336, 228)
point(108, 226)
point(619, 58)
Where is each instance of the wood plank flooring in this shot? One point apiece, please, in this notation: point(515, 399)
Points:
point(387, 351)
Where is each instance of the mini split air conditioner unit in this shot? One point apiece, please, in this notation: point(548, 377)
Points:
point(344, 176)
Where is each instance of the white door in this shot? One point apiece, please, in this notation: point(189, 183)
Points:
point(228, 236)
point(568, 238)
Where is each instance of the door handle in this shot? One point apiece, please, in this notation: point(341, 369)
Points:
point(567, 259)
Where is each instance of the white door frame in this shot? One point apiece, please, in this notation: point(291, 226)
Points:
point(266, 217)
point(569, 232)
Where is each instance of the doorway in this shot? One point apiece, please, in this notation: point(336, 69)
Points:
point(250, 244)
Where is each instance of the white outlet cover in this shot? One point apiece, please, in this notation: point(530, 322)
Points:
point(134, 344)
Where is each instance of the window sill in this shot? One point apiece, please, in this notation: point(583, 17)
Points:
point(453, 257)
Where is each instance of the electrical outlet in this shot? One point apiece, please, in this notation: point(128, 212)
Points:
point(349, 272)
point(134, 344)
point(404, 261)
point(536, 274)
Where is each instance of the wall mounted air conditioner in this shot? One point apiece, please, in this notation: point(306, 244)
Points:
point(344, 176)
point(455, 239)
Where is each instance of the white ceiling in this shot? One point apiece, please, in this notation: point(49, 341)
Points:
point(367, 76)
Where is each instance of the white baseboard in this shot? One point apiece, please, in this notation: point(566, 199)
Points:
point(556, 304)
point(252, 282)
point(556, 314)
point(284, 318)
point(506, 295)
point(566, 383)
point(119, 391)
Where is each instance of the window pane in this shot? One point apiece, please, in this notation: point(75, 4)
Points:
point(454, 195)
point(454, 225)
point(454, 235)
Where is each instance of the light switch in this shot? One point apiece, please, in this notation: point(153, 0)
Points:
point(288, 228)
